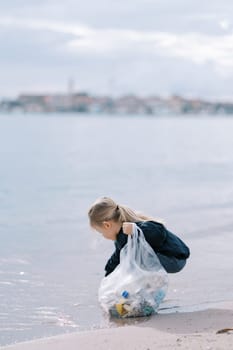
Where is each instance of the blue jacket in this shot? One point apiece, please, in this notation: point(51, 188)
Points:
point(160, 239)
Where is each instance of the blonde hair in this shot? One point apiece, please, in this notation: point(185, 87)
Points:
point(105, 209)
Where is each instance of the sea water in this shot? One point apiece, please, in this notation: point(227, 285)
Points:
point(52, 167)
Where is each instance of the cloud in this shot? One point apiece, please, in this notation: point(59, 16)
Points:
point(225, 24)
point(180, 51)
point(175, 16)
point(84, 40)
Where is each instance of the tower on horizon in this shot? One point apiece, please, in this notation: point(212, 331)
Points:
point(71, 85)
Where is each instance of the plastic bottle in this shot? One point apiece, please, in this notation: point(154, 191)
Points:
point(123, 307)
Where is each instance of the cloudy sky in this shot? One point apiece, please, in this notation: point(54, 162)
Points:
point(146, 47)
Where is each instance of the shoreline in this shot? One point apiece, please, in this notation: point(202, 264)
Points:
point(178, 330)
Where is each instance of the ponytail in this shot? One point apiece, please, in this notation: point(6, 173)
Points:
point(105, 209)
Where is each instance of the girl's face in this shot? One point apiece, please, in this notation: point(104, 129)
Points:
point(109, 229)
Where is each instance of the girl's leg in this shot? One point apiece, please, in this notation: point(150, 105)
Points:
point(170, 263)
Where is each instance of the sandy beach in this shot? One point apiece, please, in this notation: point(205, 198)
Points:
point(208, 329)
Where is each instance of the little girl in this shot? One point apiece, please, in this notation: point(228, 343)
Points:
point(115, 222)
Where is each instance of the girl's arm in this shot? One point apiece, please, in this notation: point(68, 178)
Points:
point(112, 262)
point(115, 258)
point(155, 233)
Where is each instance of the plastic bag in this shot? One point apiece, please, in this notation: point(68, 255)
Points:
point(138, 284)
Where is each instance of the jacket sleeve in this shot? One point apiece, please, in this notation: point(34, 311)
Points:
point(115, 258)
point(112, 262)
point(155, 234)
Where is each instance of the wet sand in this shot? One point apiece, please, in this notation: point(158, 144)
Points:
point(205, 329)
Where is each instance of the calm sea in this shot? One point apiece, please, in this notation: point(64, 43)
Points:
point(53, 167)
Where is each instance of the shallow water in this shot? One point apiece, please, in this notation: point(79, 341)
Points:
point(53, 167)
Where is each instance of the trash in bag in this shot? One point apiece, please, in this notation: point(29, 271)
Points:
point(138, 284)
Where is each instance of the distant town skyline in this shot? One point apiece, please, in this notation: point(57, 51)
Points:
point(72, 102)
point(109, 47)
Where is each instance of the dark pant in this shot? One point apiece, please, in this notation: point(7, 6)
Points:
point(170, 263)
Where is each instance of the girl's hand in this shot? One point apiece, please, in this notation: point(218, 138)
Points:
point(128, 228)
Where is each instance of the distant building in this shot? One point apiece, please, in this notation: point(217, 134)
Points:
point(82, 102)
